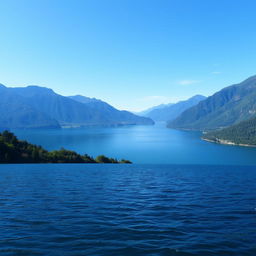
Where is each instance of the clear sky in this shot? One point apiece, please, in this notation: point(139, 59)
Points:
point(131, 53)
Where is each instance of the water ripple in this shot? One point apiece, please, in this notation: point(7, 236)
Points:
point(127, 210)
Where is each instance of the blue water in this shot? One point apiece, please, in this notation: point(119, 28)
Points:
point(127, 210)
point(142, 144)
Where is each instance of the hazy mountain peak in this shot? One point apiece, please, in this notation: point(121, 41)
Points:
point(146, 111)
point(2, 86)
point(198, 96)
point(168, 112)
point(39, 89)
point(83, 99)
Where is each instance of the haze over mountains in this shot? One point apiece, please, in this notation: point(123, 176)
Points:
point(39, 107)
point(167, 112)
point(147, 111)
point(229, 106)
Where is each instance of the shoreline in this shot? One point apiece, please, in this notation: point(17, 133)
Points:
point(227, 142)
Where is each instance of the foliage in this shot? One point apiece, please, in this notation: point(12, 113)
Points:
point(242, 133)
point(13, 150)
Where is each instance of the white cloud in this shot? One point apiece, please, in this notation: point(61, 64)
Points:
point(188, 82)
point(216, 72)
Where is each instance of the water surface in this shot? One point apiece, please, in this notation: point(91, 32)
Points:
point(127, 210)
point(142, 144)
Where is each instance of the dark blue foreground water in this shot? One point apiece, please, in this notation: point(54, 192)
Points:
point(120, 210)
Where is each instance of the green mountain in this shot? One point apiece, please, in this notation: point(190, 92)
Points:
point(39, 107)
point(13, 150)
point(171, 111)
point(242, 133)
point(229, 106)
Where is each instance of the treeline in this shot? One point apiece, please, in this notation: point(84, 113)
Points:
point(13, 150)
point(241, 133)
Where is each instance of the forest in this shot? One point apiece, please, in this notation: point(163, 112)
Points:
point(241, 133)
point(13, 150)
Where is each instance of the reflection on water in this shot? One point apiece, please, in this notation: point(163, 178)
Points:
point(142, 144)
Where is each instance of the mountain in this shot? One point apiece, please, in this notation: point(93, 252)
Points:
point(16, 112)
point(39, 107)
point(171, 111)
point(229, 106)
point(243, 133)
point(83, 99)
point(145, 112)
point(109, 112)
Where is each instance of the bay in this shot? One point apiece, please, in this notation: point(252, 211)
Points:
point(142, 144)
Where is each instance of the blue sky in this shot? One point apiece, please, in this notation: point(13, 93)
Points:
point(131, 53)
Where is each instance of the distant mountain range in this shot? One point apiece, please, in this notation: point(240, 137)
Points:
point(167, 112)
point(229, 115)
point(147, 111)
point(227, 107)
point(39, 107)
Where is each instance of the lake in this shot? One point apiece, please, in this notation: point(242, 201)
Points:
point(183, 197)
point(127, 210)
point(142, 145)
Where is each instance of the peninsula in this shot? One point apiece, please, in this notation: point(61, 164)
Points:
point(13, 151)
